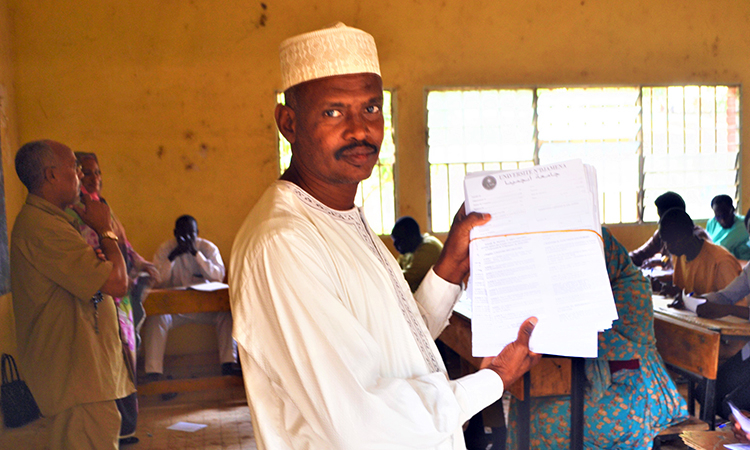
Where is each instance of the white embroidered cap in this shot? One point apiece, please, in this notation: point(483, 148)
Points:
point(338, 50)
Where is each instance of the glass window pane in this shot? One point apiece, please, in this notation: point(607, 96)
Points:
point(482, 128)
point(697, 155)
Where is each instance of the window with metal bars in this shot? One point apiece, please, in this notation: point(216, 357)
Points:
point(643, 141)
point(377, 194)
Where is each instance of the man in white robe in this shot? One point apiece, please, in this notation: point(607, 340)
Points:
point(336, 352)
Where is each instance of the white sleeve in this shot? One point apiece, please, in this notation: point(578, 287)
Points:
point(436, 299)
point(324, 366)
point(210, 262)
point(163, 264)
point(735, 291)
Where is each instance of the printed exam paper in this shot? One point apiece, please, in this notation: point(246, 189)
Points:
point(541, 255)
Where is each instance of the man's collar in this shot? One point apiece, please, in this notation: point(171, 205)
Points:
point(46, 206)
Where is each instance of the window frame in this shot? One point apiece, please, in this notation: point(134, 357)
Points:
point(537, 143)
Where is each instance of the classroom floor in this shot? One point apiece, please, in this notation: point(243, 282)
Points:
point(227, 421)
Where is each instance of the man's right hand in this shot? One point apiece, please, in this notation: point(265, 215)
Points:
point(516, 358)
point(95, 214)
point(453, 263)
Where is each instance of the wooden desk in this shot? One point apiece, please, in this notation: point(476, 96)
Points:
point(185, 301)
point(693, 346)
point(552, 376)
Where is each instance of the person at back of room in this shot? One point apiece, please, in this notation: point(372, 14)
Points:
point(418, 252)
point(185, 260)
point(699, 266)
point(727, 228)
point(653, 253)
point(733, 375)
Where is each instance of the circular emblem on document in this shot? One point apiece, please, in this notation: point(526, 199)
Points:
point(489, 182)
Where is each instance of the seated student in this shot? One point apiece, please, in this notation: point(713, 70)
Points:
point(727, 228)
point(644, 255)
point(185, 260)
point(629, 397)
point(419, 252)
point(733, 376)
point(699, 266)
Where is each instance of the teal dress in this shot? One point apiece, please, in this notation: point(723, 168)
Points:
point(625, 409)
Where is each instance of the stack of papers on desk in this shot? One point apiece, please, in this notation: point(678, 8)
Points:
point(541, 255)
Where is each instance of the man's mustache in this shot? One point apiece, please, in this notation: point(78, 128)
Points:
point(340, 152)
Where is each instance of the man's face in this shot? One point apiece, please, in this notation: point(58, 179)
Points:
point(338, 128)
point(67, 172)
point(724, 215)
point(186, 232)
point(398, 243)
point(678, 245)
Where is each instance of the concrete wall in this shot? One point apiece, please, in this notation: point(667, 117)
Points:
point(177, 96)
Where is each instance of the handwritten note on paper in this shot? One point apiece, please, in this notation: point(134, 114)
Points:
point(541, 255)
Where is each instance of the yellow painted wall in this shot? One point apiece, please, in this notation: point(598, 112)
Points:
point(177, 96)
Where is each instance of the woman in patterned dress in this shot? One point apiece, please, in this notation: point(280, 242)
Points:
point(91, 184)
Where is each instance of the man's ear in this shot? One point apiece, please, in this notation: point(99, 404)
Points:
point(286, 121)
point(49, 174)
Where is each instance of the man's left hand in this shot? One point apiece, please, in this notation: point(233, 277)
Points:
point(516, 358)
point(453, 263)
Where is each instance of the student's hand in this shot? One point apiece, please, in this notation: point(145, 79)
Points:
point(94, 214)
point(453, 263)
point(179, 250)
point(677, 303)
point(516, 359)
point(711, 310)
point(152, 271)
point(742, 436)
point(652, 263)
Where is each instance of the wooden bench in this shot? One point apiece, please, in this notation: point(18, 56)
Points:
point(185, 301)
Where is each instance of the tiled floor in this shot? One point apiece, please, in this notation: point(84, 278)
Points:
point(227, 419)
point(228, 426)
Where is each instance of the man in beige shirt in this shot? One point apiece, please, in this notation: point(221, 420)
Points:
point(67, 332)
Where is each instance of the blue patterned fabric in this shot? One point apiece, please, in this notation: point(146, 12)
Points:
point(626, 409)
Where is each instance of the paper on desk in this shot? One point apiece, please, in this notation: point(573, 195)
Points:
point(187, 426)
point(691, 302)
point(208, 287)
point(737, 446)
point(541, 255)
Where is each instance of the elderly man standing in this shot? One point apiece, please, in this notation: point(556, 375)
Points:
point(66, 323)
point(336, 351)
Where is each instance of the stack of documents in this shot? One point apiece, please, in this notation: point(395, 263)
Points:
point(541, 255)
